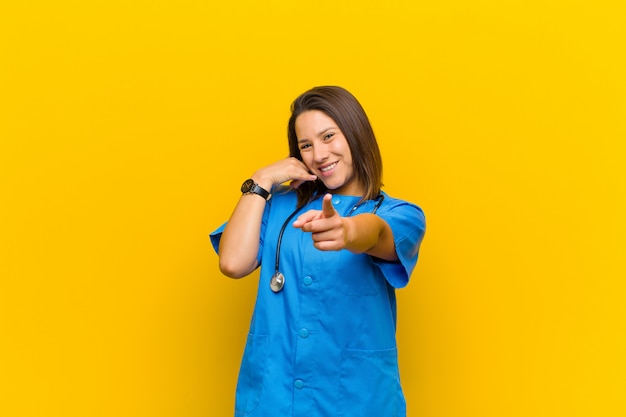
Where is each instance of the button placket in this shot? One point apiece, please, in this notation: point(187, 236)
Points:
point(306, 358)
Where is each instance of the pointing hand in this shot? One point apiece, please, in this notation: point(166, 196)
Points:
point(327, 227)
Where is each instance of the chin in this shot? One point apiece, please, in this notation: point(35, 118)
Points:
point(331, 187)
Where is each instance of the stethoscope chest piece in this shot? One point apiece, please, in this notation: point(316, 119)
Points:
point(277, 282)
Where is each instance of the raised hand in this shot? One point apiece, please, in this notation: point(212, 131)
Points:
point(288, 169)
point(239, 244)
point(328, 229)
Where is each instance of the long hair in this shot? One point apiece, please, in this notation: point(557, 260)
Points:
point(345, 110)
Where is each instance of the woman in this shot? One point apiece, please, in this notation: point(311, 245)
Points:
point(332, 249)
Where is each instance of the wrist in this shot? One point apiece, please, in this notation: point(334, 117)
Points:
point(348, 233)
point(262, 180)
point(250, 186)
point(361, 232)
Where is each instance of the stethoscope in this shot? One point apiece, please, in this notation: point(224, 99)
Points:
point(278, 279)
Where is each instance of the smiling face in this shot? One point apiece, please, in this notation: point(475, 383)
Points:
point(325, 151)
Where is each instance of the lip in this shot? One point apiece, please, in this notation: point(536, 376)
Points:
point(330, 171)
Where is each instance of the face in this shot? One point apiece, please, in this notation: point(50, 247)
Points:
point(325, 151)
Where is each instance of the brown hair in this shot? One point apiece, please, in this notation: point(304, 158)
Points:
point(345, 110)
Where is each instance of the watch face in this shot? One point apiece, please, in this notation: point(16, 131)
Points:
point(247, 186)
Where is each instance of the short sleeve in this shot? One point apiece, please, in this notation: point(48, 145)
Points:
point(216, 236)
point(408, 224)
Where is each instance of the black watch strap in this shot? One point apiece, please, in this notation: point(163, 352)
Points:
point(251, 187)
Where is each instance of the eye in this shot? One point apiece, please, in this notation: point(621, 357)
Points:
point(328, 136)
point(305, 146)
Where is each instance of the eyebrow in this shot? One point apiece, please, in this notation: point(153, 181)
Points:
point(319, 134)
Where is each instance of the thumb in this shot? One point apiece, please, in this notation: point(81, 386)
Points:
point(327, 206)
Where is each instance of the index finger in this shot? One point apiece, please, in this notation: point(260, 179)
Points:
point(305, 218)
point(327, 206)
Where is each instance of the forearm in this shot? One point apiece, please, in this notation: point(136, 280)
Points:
point(239, 244)
point(370, 234)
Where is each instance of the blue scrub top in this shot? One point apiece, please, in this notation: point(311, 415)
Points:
point(325, 345)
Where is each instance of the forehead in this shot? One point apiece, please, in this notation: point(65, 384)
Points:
point(312, 122)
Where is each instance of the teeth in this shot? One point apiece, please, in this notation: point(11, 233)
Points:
point(329, 167)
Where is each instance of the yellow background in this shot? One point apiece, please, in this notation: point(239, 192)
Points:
point(127, 127)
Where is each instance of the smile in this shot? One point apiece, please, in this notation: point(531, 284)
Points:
point(328, 167)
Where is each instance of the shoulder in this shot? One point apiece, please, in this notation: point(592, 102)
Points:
point(282, 193)
point(402, 216)
point(283, 196)
point(396, 205)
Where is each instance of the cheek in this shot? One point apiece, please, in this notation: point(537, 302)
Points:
point(347, 155)
point(307, 159)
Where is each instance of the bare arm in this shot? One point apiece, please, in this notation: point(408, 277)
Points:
point(363, 233)
point(368, 233)
point(239, 244)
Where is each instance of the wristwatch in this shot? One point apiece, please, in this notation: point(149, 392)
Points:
point(251, 187)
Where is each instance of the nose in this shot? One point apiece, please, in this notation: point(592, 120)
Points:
point(320, 153)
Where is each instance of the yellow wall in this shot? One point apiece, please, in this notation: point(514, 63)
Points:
point(126, 128)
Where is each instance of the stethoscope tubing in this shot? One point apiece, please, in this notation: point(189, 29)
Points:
point(276, 286)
